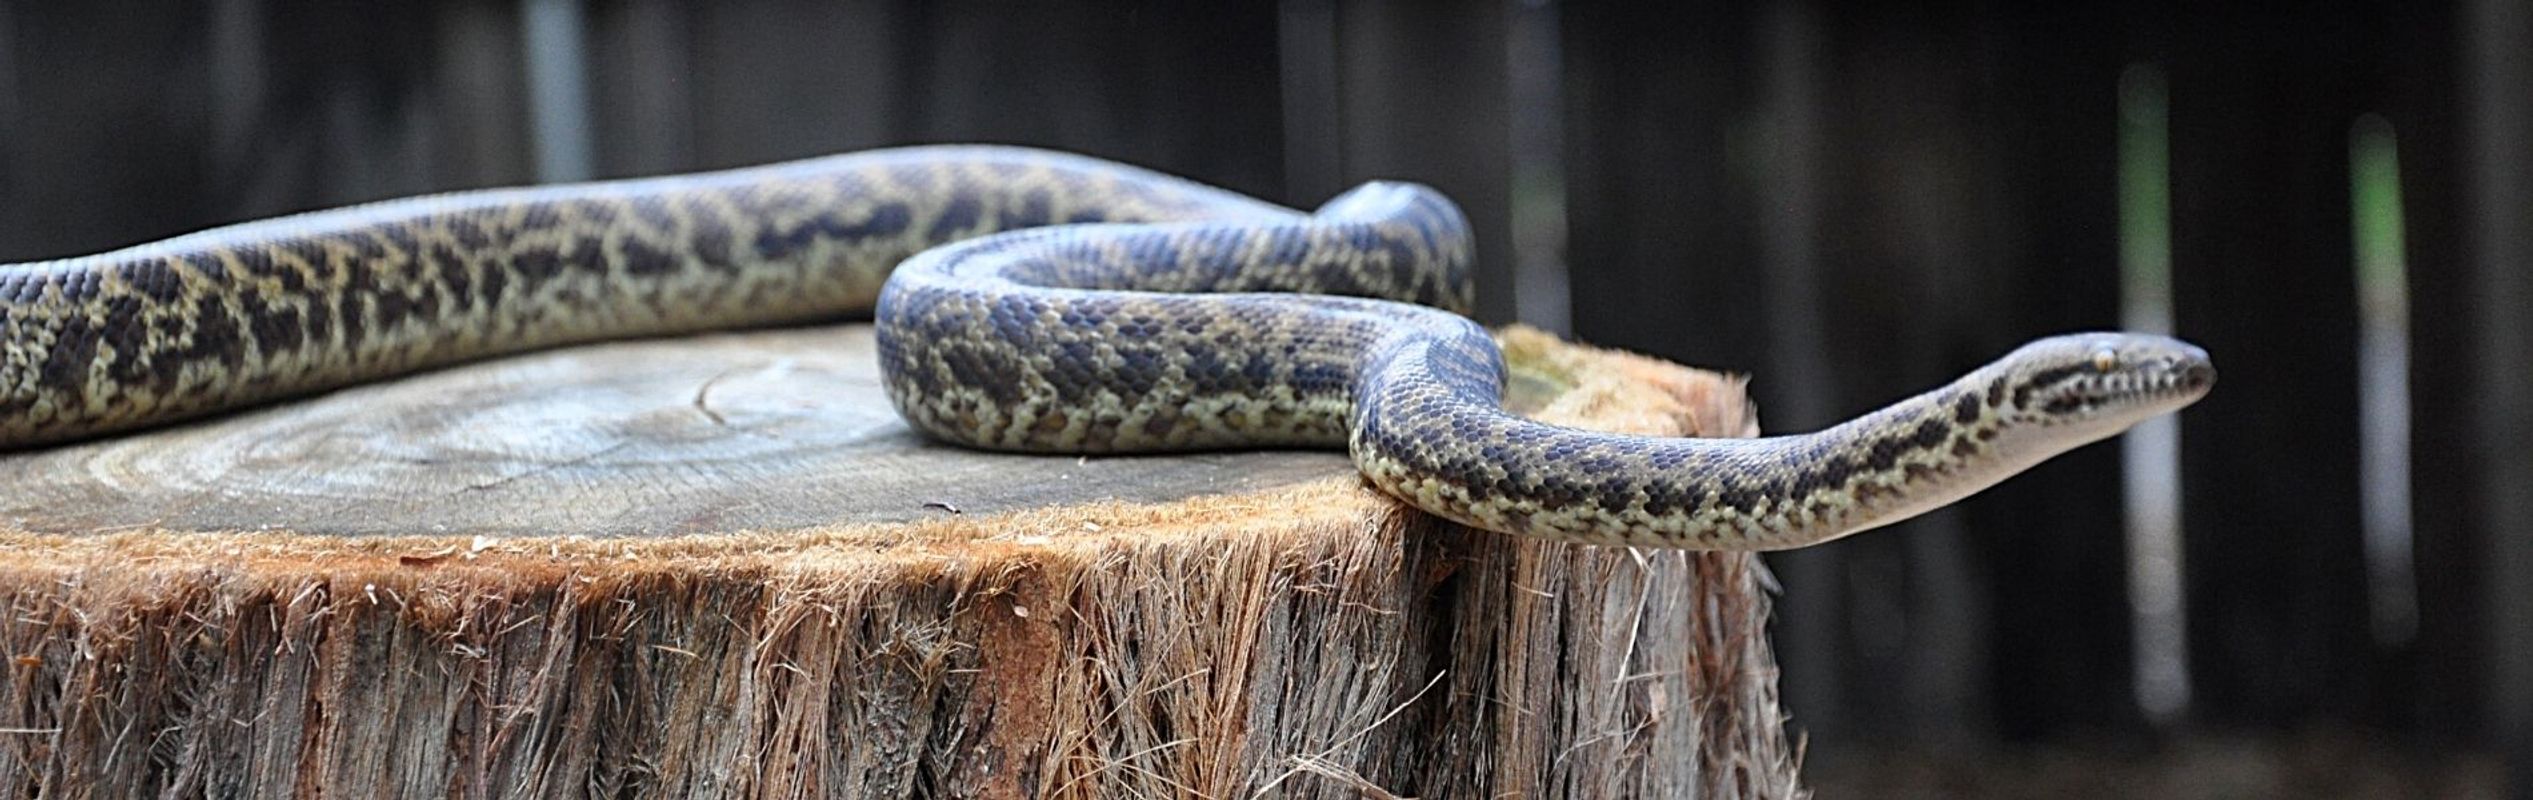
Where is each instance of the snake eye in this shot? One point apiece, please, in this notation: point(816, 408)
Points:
point(2104, 360)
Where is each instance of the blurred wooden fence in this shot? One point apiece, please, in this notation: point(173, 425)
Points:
point(1849, 204)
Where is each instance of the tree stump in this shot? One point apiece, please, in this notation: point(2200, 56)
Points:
point(720, 566)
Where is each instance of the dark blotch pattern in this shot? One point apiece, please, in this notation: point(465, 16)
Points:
point(642, 258)
point(2039, 380)
point(276, 329)
point(1929, 433)
point(957, 217)
point(987, 341)
point(1966, 409)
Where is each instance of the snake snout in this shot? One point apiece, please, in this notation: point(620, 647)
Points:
point(2181, 369)
point(2198, 374)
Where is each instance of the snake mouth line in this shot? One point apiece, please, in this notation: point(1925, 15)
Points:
point(2189, 380)
point(2198, 378)
point(2169, 382)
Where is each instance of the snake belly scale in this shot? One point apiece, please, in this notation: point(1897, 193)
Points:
point(1031, 301)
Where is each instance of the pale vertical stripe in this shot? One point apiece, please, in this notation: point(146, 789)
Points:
point(1542, 294)
point(2151, 452)
point(2383, 379)
point(552, 32)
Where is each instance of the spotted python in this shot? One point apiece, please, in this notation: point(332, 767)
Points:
point(1028, 301)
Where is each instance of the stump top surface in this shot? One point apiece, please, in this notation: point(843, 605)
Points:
point(232, 565)
point(754, 431)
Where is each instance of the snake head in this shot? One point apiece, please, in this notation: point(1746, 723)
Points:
point(2098, 383)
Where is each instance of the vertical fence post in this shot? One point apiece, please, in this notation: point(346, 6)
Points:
point(1424, 97)
point(552, 34)
point(2261, 261)
point(2498, 120)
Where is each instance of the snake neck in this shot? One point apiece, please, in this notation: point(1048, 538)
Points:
point(1543, 480)
point(1899, 461)
point(1531, 478)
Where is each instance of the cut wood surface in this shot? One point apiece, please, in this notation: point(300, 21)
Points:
point(770, 430)
point(720, 567)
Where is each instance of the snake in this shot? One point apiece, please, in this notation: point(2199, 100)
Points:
point(1033, 301)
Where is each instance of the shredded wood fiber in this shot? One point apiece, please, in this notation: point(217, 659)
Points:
point(1315, 640)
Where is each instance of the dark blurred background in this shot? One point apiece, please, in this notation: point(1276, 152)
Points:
point(2319, 583)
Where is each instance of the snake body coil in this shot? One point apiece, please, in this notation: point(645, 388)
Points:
point(1047, 302)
